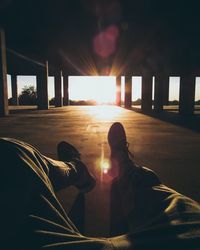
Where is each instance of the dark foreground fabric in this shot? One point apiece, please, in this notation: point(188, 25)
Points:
point(152, 215)
point(33, 218)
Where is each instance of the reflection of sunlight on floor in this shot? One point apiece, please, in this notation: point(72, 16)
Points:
point(105, 112)
point(101, 118)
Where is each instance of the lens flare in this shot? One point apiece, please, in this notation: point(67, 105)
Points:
point(105, 166)
point(105, 171)
point(105, 43)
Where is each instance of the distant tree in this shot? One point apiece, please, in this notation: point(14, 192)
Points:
point(83, 103)
point(174, 102)
point(197, 102)
point(10, 101)
point(52, 101)
point(28, 96)
point(137, 102)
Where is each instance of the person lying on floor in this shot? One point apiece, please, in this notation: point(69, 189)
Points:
point(140, 203)
point(31, 215)
point(33, 218)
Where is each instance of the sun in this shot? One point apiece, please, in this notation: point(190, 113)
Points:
point(101, 89)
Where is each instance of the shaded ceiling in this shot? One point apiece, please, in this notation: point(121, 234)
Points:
point(87, 37)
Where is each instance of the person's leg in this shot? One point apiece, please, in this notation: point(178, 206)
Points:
point(31, 215)
point(67, 152)
point(158, 217)
point(69, 169)
point(130, 186)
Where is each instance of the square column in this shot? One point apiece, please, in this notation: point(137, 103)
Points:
point(3, 77)
point(128, 92)
point(65, 90)
point(58, 89)
point(146, 104)
point(160, 82)
point(118, 90)
point(166, 91)
point(14, 90)
point(187, 95)
point(42, 88)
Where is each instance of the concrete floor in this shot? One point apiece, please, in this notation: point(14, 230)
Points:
point(170, 150)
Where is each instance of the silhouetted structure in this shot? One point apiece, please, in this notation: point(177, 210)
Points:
point(132, 38)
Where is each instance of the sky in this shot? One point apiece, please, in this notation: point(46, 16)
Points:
point(101, 89)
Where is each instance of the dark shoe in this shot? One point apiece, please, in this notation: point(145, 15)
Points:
point(117, 136)
point(120, 156)
point(67, 152)
point(81, 178)
point(85, 181)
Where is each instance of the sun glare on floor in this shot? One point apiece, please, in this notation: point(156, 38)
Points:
point(101, 89)
point(105, 112)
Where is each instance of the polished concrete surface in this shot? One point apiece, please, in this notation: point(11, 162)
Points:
point(173, 151)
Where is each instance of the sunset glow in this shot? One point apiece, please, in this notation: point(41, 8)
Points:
point(101, 89)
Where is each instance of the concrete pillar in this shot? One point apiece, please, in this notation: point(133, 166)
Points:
point(65, 90)
point(187, 95)
point(3, 77)
point(166, 91)
point(128, 92)
point(58, 89)
point(146, 104)
point(118, 90)
point(42, 88)
point(159, 92)
point(14, 90)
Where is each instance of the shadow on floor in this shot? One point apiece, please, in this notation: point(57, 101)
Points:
point(191, 121)
point(77, 212)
